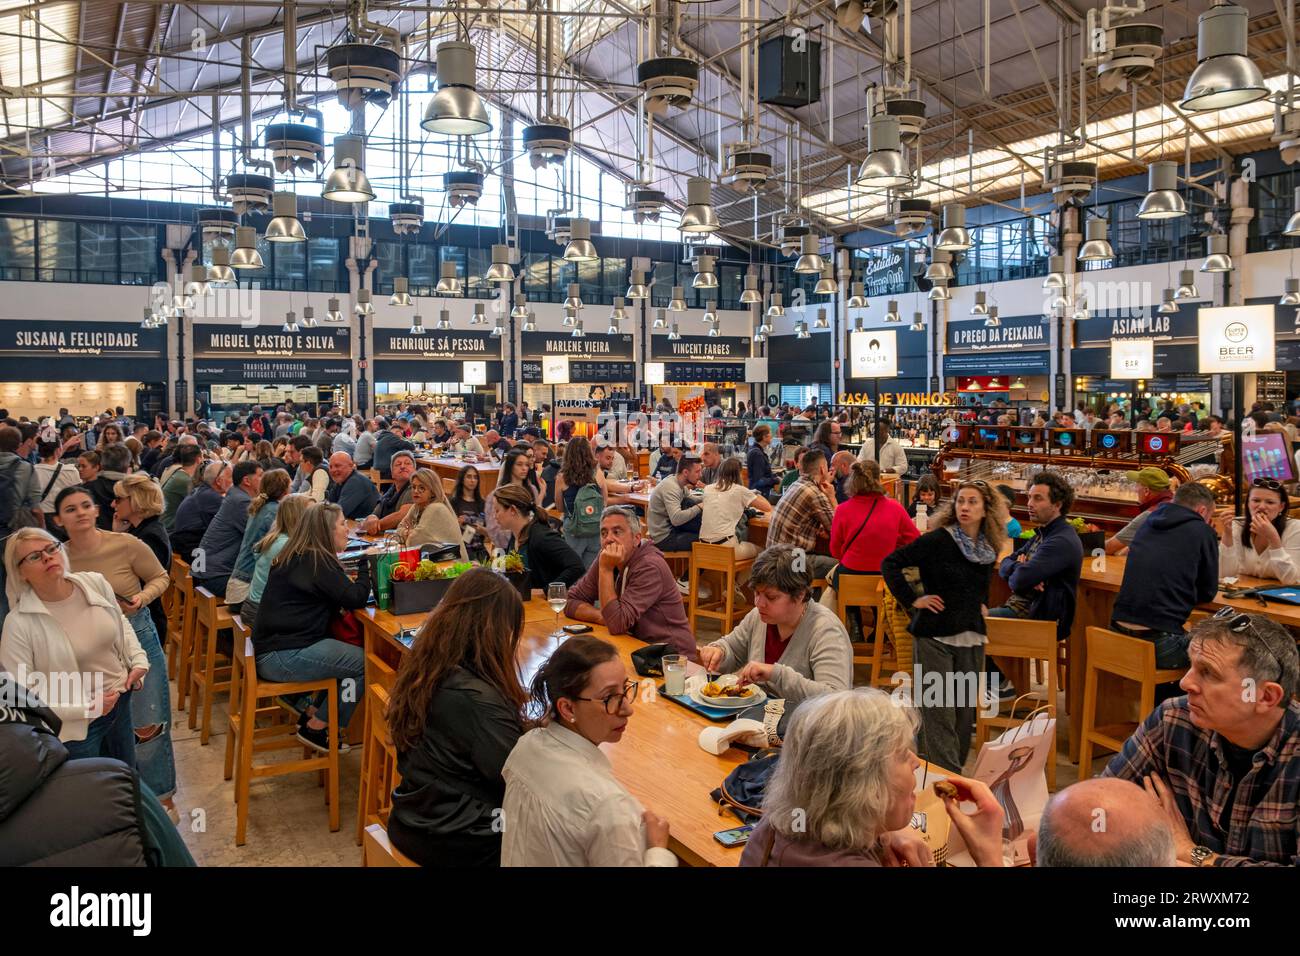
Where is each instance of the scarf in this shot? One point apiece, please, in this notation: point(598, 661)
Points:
point(976, 552)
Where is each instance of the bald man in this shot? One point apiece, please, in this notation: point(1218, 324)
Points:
point(1104, 821)
point(349, 489)
point(841, 466)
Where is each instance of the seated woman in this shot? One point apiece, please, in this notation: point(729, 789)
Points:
point(457, 710)
point(863, 741)
point(788, 644)
point(725, 502)
point(261, 514)
point(467, 503)
point(63, 622)
point(516, 469)
point(306, 588)
point(1265, 543)
point(926, 493)
point(430, 519)
point(287, 516)
point(543, 549)
point(563, 802)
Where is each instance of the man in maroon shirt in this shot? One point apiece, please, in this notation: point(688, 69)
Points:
point(636, 589)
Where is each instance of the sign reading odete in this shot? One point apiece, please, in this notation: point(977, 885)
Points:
point(873, 354)
point(1237, 338)
point(1132, 358)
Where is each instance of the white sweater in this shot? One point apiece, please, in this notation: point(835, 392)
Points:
point(35, 646)
point(1282, 564)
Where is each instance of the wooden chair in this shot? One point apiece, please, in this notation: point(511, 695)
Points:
point(379, 774)
point(867, 591)
point(720, 559)
point(246, 738)
point(185, 654)
point(1132, 659)
point(380, 852)
point(174, 601)
point(1024, 640)
point(207, 677)
point(679, 562)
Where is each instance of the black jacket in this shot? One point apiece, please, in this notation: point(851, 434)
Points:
point(388, 444)
point(301, 596)
point(1172, 566)
point(1055, 562)
point(945, 571)
point(101, 490)
point(759, 467)
point(193, 516)
point(549, 557)
point(445, 808)
point(152, 533)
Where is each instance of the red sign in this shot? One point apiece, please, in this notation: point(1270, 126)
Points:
point(983, 383)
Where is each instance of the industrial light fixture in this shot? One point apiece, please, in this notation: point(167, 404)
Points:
point(981, 304)
point(857, 323)
point(1216, 254)
point(714, 329)
point(334, 314)
point(348, 182)
point(498, 329)
point(764, 328)
point(309, 317)
point(1290, 292)
point(148, 322)
point(705, 277)
point(246, 255)
point(198, 284)
point(858, 296)
point(955, 237)
point(1080, 311)
point(448, 281)
point(801, 330)
point(884, 167)
point(1292, 227)
point(500, 270)
point(661, 319)
point(219, 271)
point(479, 317)
point(364, 306)
point(1224, 75)
point(678, 301)
point(939, 292)
point(636, 286)
point(530, 323)
point(821, 322)
point(826, 284)
point(401, 291)
point(417, 325)
point(284, 225)
point(751, 295)
point(709, 314)
point(456, 109)
point(580, 247)
point(1018, 383)
point(760, 335)
point(577, 332)
point(992, 321)
point(520, 311)
point(891, 312)
point(1096, 247)
point(290, 322)
point(810, 261)
point(699, 217)
point(1167, 304)
point(673, 334)
point(1163, 200)
point(940, 267)
point(918, 322)
point(444, 321)
point(1055, 273)
point(182, 301)
point(776, 309)
point(574, 300)
point(1186, 285)
point(570, 316)
point(619, 311)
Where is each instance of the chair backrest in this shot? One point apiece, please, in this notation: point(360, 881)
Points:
point(1129, 657)
point(713, 557)
point(377, 700)
point(859, 590)
point(381, 670)
point(380, 852)
point(1019, 638)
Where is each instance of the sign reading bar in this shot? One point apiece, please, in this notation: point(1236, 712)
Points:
point(1238, 338)
point(591, 345)
point(873, 354)
point(398, 343)
point(1030, 331)
point(210, 340)
point(698, 347)
point(1132, 358)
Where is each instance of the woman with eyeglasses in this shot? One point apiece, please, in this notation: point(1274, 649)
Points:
point(1264, 543)
point(457, 710)
point(65, 639)
point(138, 579)
point(563, 804)
point(956, 562)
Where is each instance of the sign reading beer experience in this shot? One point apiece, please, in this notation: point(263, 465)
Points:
point(562, 343)
point(698, 347)
point(269, 341)
point(1237, 338)
point(1025, 331)
point(399, 343)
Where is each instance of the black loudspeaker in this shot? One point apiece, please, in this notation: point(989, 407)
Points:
point(789, 77)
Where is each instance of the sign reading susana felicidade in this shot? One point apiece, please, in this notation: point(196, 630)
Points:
point(1132, 358)
point(1236, 338)
point(873, 354)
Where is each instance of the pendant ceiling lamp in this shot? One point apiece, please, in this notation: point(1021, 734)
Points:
point(348, 182)
point(776, 309)
point(498, 329)
point(810, 261)
point(577, 332)
point(284, 225)
point(857, 324)
point(1224, 76)
point(1290, 292)
point(1055, 273)
point(570, 317)
point(764, 327)
point(500, 270)
point(619, 311)
point(148, 321)
point(981, 304)
point(992, 321)
point(699, 217)
point(826, 284)
point(290, 322)
point(364, 306)
point(891, 312)
point(401, 291)
point(1096, 247)
point(673, 334)
point(448, 281)
point(456, 109)
point(1167, 304)
point(574, 299)
point(939, 292)
point(444, 321)
point(246, 255)
point(334, 314)
point(940, 267)
point(520, 310)
point(705, 277)
point(885, 167)
point(1216, 254)
point(198, 284)
point(1292, 227)
point(580, 248)
point(530, 323)
point(751, 295)
point(636, 288)
point(955, 237)
point(822, 322)
point(308, 317)
point(1163, 200)
point(219, 271)
point(678, 301)
point(857, 296)
point(709, 314)
point(801, 330)
point(417, 324)
point(1186, 285)
point(918, 322)
point(479, 316)
point(714, 329)
point(661, 319)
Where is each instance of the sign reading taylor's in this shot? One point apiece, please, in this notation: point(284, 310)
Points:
point(234, 340)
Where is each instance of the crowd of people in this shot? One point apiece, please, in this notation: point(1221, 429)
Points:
point(262, 508)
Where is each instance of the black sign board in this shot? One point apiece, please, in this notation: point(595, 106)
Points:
point(1024, 331)
point(399, 343)
point(268, 341)
point(696, 348)
point(585, 373)
point(589, 346)
point(273, 371)
point(42, 351)
point(676, 372)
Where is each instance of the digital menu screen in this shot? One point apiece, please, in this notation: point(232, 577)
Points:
point(1105, 440)
point(1266, 456)
point(1157, 443)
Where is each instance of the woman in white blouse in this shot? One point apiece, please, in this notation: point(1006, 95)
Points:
point(430, 519)
point(563, 806)
point(725, 502)
point(1264, 543)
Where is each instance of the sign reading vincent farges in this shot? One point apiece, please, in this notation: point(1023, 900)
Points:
point(698, 347)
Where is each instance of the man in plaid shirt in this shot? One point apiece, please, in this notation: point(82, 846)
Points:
point(806, 510)
point(1224, 761)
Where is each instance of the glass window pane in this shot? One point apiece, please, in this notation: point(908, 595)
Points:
point(98, 252)
point(391, 265)
point(290, 265)
point(139, 254)
point(662, 280)
point(323, 264)
point(422, 266)
point(18, 249)
point(57, 242)
point(478, 261)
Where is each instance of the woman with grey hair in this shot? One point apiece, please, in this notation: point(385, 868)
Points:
point(844, 790)
point(788, 644)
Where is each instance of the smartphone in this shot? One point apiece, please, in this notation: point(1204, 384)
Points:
point(577, 628)
point(735, 837)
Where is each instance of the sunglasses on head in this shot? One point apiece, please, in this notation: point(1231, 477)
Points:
point(1268, 483)
point(1239, 622)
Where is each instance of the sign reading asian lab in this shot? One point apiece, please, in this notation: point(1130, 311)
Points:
point(1236, 338)
point(1132, 358)
point(873, 354)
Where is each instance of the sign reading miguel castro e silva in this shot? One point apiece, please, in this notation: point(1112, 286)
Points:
point(1239, 338)
point(1026, 331)
point(210, 340)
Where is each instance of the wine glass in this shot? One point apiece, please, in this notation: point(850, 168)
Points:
point(557, 596)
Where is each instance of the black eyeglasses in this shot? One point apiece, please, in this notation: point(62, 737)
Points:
point(49, 551)
point(616, 700)
point(1268, 483)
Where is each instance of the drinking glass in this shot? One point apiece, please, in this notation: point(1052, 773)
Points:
point(557, 596)
point(674, 666)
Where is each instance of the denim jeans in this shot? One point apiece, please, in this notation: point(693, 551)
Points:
point(588, 549)
point(680, 539)
point(111, 735)
point(1171, 646)
point(152, 706)
point(327, 658)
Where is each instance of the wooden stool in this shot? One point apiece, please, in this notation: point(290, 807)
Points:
point(174, 601)
point(207, 678)
point(679, 562)
point(185, 654)
point(867, 591)
point(722, 559)
point(246, 738)
point(378, 672)
point(380, 852)
point(1132, 659)
point(379, 774)
point(1016, 639)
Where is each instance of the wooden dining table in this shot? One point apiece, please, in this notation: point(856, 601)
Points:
point(758, 524)
point(450, 469)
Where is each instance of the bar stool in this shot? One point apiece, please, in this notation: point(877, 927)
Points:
point(185, 654)
point(174, 602)
point(246, 738)
point(379, 774)
point(1132, 659)
point(378, 672)
point(866, 591)
point(720, 558)
point(679, 562)
point(380, 852)
point(207, 677)
point(1023, 640)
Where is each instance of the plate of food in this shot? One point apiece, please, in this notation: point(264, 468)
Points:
point(727, 692)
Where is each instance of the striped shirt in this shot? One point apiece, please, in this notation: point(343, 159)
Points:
point(1264, 826)
point(802, 512)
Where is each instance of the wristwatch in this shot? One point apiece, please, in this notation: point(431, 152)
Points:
point(1200, 854)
